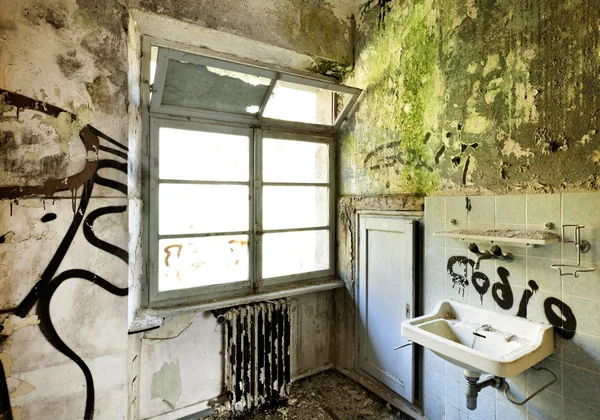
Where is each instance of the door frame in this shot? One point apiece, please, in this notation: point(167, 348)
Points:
point(408, 215)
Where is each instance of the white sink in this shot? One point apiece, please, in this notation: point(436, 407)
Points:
point(511, 344)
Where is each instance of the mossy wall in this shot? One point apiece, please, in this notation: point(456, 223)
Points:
point(474, 96)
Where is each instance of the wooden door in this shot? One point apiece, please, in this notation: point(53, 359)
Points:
point(386, 298)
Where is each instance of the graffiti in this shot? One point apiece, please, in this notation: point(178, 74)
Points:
point(558, 313)
point(48, 217)
point(459, 280)
point(384, 156)
point(525, 299)
point(49, 281)
point(439, 154)
point(565, 322)
point(5, 410)
point(6, 237)
point(391, 155)
point(501, 291)
point(384, 7)
point(481, 284)
point(466, 170)
point(168, 252)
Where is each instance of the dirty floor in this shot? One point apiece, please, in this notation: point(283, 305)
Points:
point(326, 396)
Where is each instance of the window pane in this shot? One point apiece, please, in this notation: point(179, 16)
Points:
point(295, 207)
point(294, 252)
point(153, 57)
point(195, 262)
point(295, 161)
point(202, 156)
point(294, 102)
point(202, 208)
point(196, 86)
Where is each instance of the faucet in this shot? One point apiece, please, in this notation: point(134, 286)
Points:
point(484, 327)
point(495, 253)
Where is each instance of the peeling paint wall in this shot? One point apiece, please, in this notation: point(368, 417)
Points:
point(312, 27)
point(70, 203)
point(474, 96)
point(482, 99)
point(187, 353)
point(63, 211)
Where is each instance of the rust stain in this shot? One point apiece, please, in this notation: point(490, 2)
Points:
point(237, 241)
point(168, 252)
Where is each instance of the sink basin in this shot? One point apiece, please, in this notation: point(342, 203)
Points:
point(503, 345)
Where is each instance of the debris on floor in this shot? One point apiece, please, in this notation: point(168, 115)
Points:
point(326, 396)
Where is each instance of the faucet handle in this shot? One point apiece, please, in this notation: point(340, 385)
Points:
point(496, 250)
point(474, 248)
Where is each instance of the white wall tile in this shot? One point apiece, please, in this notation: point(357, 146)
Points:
point(433, 408)
point(581, 208)
point(577, 357)
point(581, 386)
point(510, 209)
point(435, 209)
point(482, 209)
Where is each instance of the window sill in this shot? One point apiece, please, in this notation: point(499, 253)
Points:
point(151, 318)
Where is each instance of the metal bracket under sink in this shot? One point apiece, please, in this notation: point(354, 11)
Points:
point(535, 393)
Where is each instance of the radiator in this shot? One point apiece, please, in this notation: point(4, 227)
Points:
point(257, 354)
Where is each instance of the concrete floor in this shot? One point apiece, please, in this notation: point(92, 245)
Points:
point(326, 396)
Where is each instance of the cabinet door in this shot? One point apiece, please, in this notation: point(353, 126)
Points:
point(386, 298)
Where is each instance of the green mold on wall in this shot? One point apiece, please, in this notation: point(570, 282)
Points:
point(385, 147)
point(473, 95)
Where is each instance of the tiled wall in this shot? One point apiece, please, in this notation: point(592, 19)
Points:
point(576, 361)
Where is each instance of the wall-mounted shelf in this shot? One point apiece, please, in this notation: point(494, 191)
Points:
point(511, 237)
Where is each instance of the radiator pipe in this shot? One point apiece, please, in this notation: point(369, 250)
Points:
point(220, 315)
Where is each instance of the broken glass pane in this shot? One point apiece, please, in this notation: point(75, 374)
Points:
point(192, 208)
point(153, 58)
point(202, 156)
point(295, 252)
point(210, 88)
point(295, 161)
point(295, 207)
point(340, 102)
point(295, 102)
point(195, 262)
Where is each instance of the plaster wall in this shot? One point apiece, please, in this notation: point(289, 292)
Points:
point(70, 208)
point(182, 362)
point(474, 96)
point(63, 216)
point(315, 28)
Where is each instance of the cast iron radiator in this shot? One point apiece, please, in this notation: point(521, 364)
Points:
point(257, 354)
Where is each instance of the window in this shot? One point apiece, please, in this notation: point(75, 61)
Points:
point(240, 193)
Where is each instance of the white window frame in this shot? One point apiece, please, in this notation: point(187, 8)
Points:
point(166, 54)
point(257, 127)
